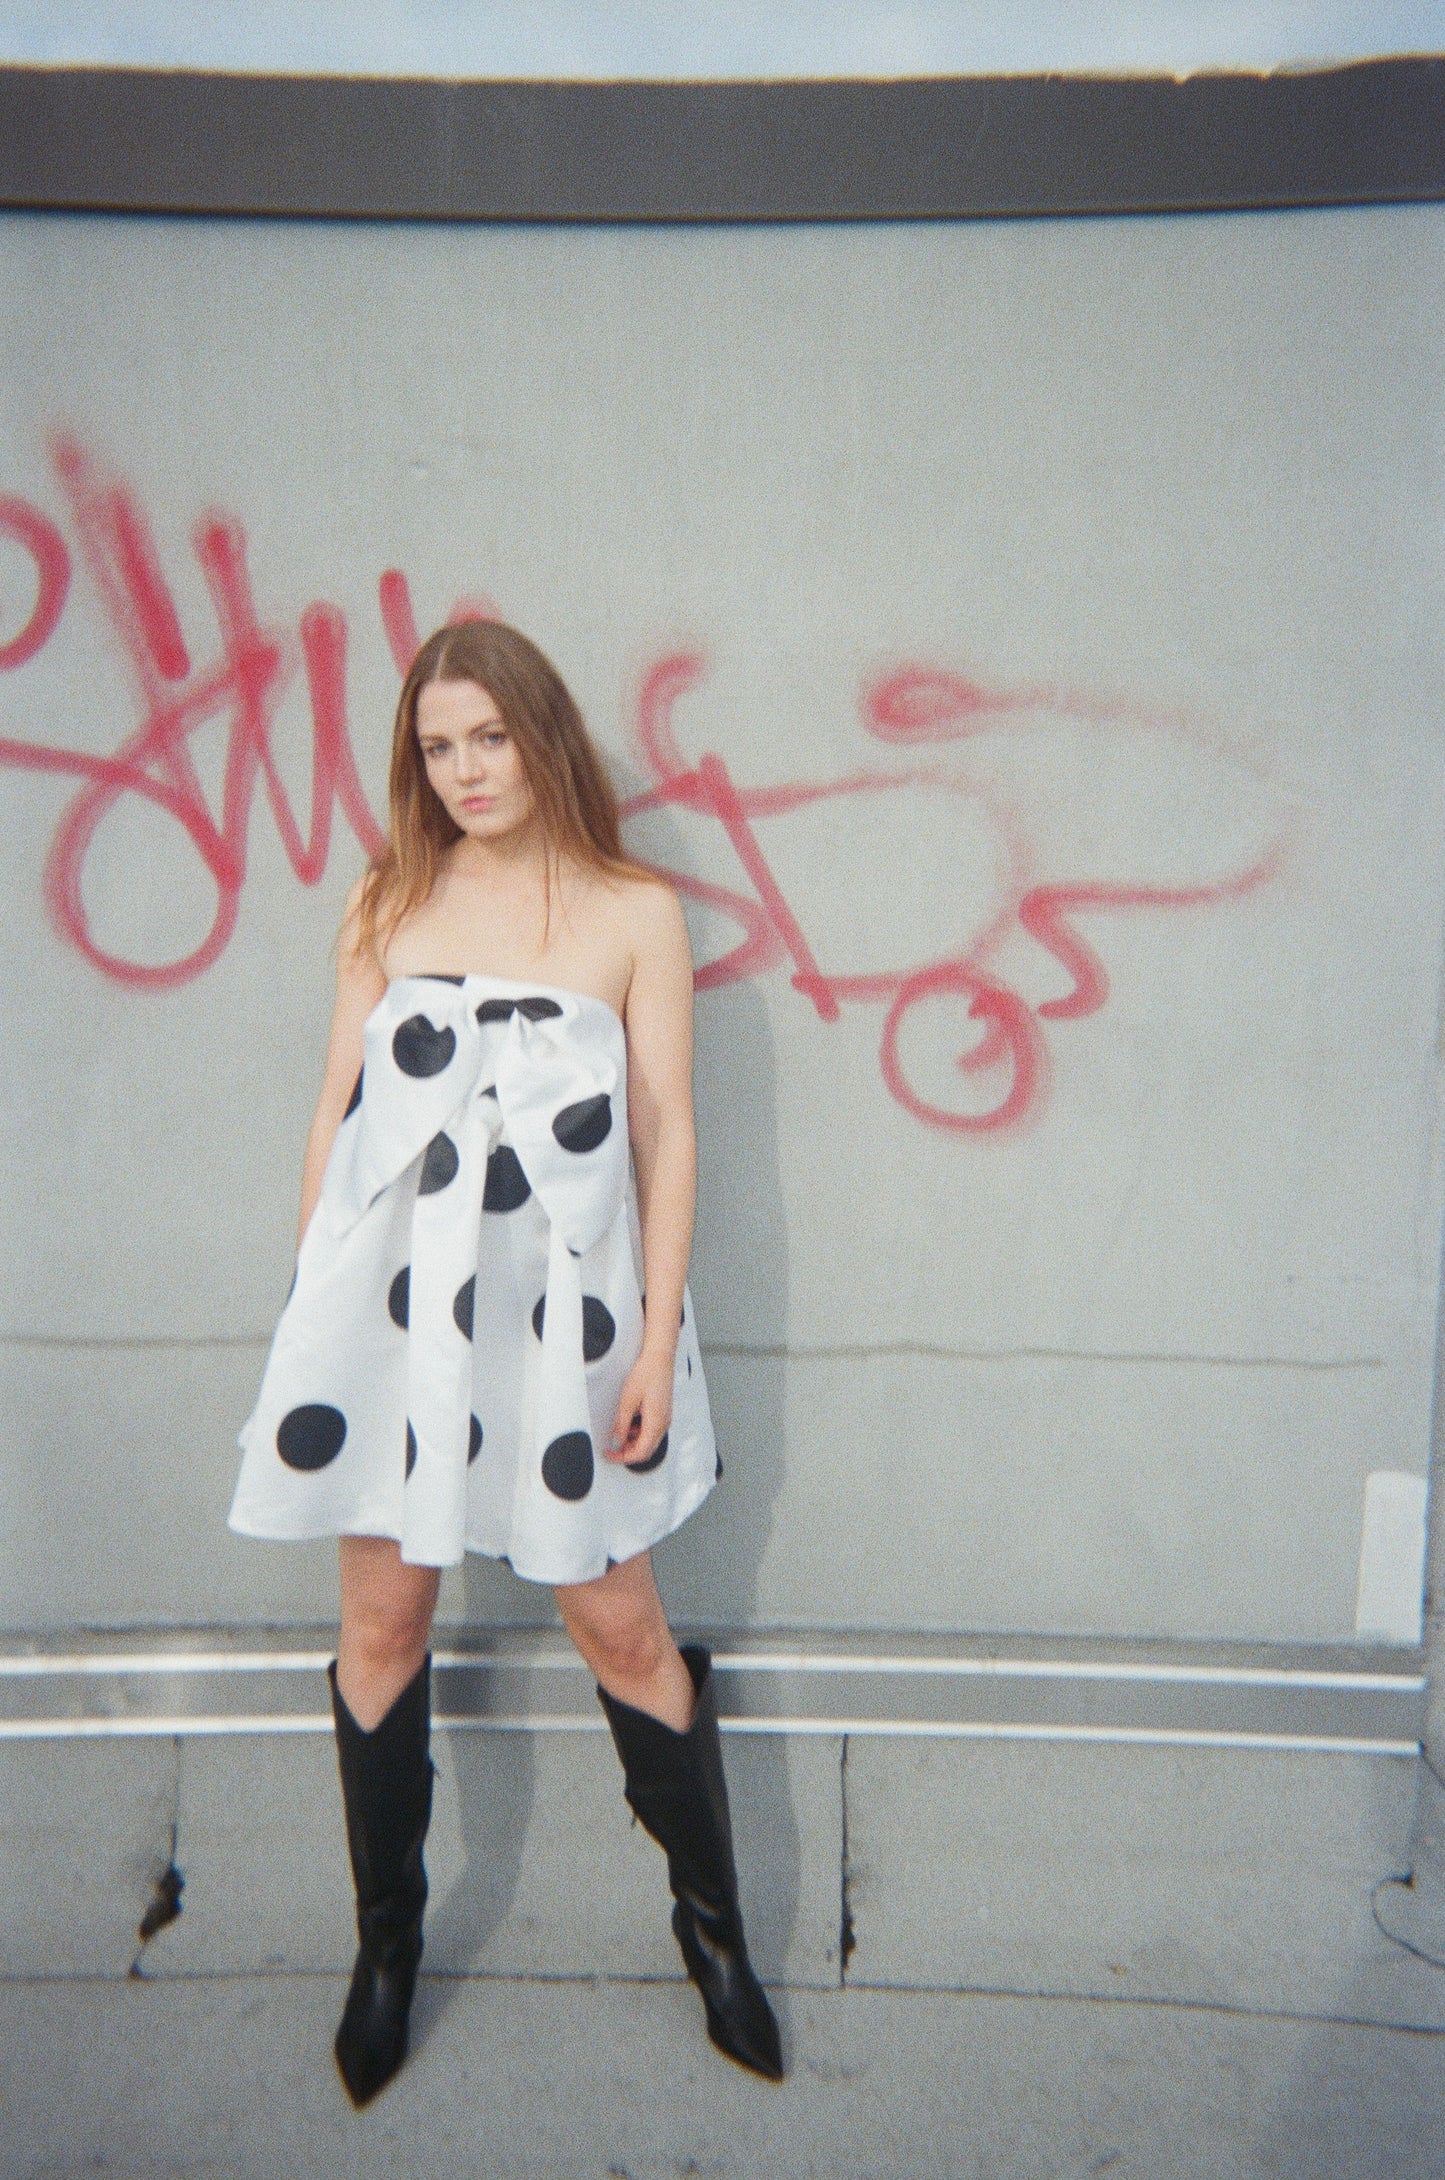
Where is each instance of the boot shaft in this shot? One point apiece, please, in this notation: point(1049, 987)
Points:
point(676, 1787)
point(386, 1786)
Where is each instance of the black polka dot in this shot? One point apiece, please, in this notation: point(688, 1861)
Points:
point(438, 976)
point(474, 1440)
point(439, 1167)
point(507, 1186)
point(420, 1050)
point(410, 1449)
point(654, 1460)
point(398, 1298)
point(464, 1305)
point(599, 1327)
point(309, 1437)
point(535, 1008)
point(581, 1127)
point(355, 1097)
point(489, 1092)
point(689, 1366)
point(567, 1466)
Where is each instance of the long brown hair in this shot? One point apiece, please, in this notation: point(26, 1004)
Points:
point(571, 792)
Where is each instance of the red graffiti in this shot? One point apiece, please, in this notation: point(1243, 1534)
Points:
point(255, 664)
point(913, 706)
point(245, 684)
point(393, 596)
point(46, 547)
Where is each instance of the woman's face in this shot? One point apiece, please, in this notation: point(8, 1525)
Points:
point(471, 759)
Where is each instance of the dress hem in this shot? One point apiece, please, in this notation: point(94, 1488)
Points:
point(631, 1545)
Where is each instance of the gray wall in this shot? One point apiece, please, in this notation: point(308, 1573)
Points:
point(741, 38)
point(1166, 497)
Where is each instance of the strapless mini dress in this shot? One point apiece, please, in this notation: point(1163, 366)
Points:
point(468, 1300)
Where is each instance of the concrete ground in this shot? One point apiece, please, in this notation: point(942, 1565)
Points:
point(1011, 1961)
point(231, 2076)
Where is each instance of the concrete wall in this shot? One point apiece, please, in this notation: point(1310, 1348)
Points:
point(1084, 578)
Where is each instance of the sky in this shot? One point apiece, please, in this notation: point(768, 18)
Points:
point(714, 39)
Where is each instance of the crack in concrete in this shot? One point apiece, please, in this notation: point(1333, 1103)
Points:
point(847, 1934)
point(164, 1904)
point(875, 1351)
point(751, 1351)
point(160, 1342)
point(867, 1988)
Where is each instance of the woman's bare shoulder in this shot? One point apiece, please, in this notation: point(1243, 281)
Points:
point(649, 912)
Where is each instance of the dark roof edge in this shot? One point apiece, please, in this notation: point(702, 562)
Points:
point(169, 141)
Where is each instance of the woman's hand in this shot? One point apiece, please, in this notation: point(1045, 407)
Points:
point(644, 1409)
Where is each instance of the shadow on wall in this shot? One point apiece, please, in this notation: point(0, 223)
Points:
point(710, 1569)
point(740, 1286)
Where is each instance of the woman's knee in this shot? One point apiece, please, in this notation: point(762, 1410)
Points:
point(386, 1606)
point(635, 1650)
point(622, 1636)
point(385, 1635)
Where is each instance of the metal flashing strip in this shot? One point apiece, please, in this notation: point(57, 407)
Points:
point(1027, 1668)
point(188, 1728)
point(183, 141)
point(24, 1666)
point(1201, 1696)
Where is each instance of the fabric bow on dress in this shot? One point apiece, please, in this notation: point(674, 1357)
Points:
point(476, 1200)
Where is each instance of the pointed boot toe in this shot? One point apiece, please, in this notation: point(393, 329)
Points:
point(740, 2021)
point(372, 2039)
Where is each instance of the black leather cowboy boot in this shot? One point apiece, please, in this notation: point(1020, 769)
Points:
point(675, 1784)
point(386, 1783)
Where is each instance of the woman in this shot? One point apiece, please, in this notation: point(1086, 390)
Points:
point(467, 1330)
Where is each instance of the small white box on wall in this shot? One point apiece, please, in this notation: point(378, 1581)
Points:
point(1389, 1603)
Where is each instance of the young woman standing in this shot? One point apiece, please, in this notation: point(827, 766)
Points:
point(489, 1345)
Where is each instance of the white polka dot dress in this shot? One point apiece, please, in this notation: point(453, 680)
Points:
point(467, 1302)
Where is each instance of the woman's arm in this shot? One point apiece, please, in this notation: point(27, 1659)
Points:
point(360, 982)
point(664, 1151)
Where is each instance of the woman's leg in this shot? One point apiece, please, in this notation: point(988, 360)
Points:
point(386, 1615)
point(618, 1624)
point(662, 1708)
point(381, 1699)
